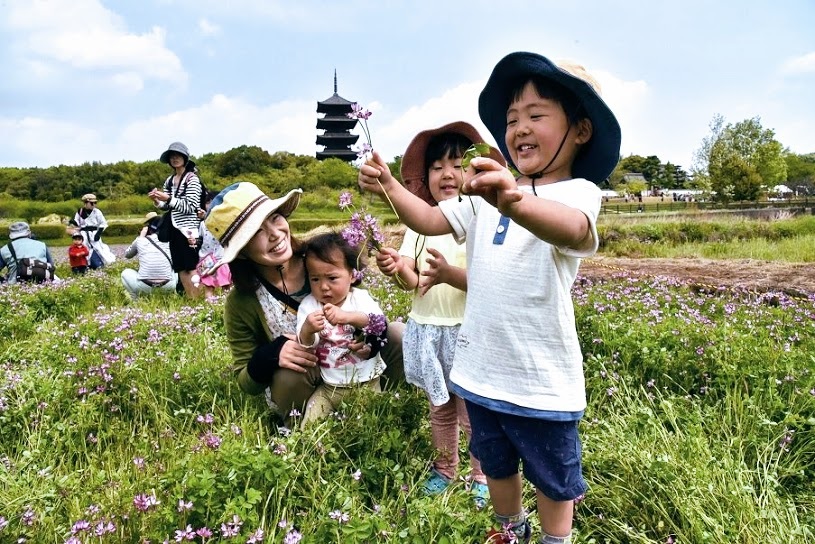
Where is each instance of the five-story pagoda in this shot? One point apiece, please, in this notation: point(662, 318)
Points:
point(336, 126)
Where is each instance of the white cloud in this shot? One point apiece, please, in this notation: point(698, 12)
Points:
point(799, 65)
point(86, 36)
point(45, 142)
point(223, 123)
point(207, 28)
point(457, 104)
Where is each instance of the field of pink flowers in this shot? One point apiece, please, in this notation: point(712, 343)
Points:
point(120, 422)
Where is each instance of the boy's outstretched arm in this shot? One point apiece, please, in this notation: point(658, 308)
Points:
point(551, 221)
point(375, 177)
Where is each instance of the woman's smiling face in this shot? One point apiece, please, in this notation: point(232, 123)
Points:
point(271, 244)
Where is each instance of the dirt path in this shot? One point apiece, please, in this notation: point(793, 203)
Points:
point(753, 275)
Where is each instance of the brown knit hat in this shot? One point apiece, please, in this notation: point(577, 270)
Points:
point(413, 169)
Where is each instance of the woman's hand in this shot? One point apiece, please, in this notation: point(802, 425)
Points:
point(158, 196)
point(296, 357)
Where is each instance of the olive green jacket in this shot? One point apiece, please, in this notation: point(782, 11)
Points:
point(247, 329)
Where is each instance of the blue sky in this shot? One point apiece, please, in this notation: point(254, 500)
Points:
point(104, 80)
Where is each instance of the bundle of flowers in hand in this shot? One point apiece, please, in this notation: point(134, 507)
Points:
point(363, 230)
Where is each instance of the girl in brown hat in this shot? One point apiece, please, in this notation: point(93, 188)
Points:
point(434, 268)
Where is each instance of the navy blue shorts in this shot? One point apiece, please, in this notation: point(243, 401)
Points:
point(550, 450)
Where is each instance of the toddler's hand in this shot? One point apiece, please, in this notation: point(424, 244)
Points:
point(315, 322)
point(333, 314)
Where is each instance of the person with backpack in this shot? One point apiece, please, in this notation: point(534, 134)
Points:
point(180, 198)
point(22, 247)
point(155, 264)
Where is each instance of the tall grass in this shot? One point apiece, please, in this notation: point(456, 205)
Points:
point(120, 421)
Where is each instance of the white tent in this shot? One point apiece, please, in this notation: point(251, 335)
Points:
point(781, 189)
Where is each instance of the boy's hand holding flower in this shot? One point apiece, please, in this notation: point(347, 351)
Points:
point(494, 183)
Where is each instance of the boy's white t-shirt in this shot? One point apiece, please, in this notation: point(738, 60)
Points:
point(518, 342)
point(339, 365)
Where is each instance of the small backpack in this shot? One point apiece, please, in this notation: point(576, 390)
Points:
point(32, 270)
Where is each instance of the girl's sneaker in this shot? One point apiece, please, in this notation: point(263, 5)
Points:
point(506, 536)
point(481, 494)
point(436, 483)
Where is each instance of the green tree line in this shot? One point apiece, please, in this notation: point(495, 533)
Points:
point(272, 172)
point(735, 162)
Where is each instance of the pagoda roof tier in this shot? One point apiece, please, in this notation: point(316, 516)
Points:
point(336, 100)
point(332, 139)
point(334, 110)
point(336, 124)
point(344, 154)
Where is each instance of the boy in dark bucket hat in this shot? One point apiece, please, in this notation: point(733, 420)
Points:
point(518, 364)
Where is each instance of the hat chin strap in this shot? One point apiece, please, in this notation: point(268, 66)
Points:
point(540, 173)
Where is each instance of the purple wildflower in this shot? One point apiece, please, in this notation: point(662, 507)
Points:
point(255, 537)
point(185, 534)
point(143, 502)
point(211, 440)
point(345, 200)
point(340, 516)
point(377, 324)
point(184, 506)
point(292, 537)
point(231, 528)
point(28, 517)
point(208, 419)
point(103, 527)
point(80, 526)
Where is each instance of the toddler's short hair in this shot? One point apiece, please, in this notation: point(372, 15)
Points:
point(325, 247)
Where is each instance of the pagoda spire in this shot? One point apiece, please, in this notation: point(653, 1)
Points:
point(335, 81)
